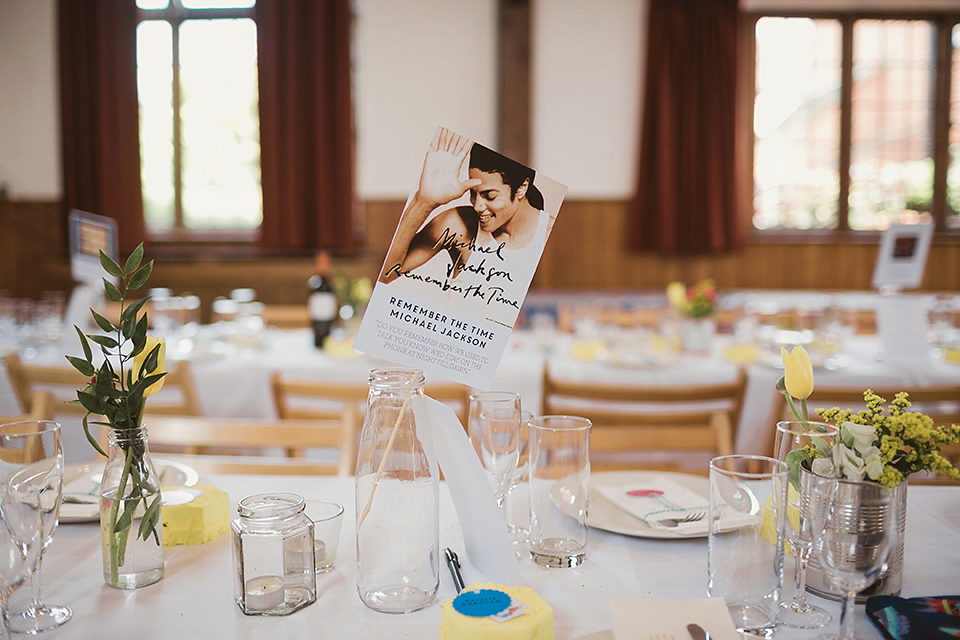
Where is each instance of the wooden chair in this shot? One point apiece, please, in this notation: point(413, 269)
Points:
point(286, 316)
point(241, 446)
point(41, 408)
point(178, 396)
point(651, 427)
point(298, 398)
point(941, 403)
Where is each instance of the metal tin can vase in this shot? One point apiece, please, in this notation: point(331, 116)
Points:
point(857, 520)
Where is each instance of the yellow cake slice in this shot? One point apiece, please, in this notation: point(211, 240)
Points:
point(536, 623)
point(194, 515)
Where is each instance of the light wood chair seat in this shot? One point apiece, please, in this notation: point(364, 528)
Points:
point(676, 428)
point(246, 446)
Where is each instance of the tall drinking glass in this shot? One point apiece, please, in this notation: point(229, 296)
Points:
point(559, 470)
point(855, 525)
point(36, 481)
point(794, 440)
point(745, 541)
point(494, 427)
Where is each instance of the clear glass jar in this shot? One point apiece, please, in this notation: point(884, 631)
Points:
point(129, 495)
point(397, 482)
point(273, 559)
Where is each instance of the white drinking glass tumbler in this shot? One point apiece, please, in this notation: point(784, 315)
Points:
point(559, 483)
point(745, 540)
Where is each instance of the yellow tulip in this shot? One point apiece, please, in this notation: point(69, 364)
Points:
point(798, 372)
point(677, 295)
point(139, 359)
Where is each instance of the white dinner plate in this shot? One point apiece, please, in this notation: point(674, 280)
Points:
point(84, 479)
point(603, 514)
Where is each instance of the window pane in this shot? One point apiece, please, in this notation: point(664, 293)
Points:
point(218, 4)
point(155, 93)
point(796, 123)
point(152, 4)
point(953, 172)
point(891, 164)
point(220, 120)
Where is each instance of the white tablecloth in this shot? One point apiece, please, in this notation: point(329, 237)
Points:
point(235, 382)
point(195, 597)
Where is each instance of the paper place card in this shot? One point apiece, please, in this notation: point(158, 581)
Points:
point(462, 257)
point(642, 618)
point(902, 325)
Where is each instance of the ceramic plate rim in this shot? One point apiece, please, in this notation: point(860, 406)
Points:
point(74, 471)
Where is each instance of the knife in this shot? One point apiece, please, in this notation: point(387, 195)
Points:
point(697, 632)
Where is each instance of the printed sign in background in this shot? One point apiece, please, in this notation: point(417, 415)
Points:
point(454, 320)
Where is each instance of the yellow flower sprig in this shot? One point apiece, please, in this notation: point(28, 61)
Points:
point(908, 441)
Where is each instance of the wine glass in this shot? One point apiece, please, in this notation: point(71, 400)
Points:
point(518, 534)
point(13, 567)
point(34, 465)
point(855, 524)
point(792, 440)
point(494, 427)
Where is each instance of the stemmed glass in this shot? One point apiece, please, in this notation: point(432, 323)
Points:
point(518, 534)
point(494, 427)
point(792, 440)
point(855, 533)
point(13, 565)
point(33, 466)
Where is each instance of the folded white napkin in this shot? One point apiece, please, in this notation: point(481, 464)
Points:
point(660, 502)
point(642, 618)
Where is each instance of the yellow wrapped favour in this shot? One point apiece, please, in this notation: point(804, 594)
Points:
point(488, 610)
point(194, 515)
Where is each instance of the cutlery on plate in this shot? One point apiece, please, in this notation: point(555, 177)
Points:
point(79, 498)
point(670, 523)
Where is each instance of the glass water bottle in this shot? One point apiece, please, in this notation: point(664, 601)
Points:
point(398, 530)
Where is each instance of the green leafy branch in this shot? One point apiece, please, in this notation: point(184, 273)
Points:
point(116, 392)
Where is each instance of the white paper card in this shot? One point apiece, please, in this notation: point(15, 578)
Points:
point(902, 256)
point(486, 540)
point(902, 324)
point(642, 618)
point(456, 273)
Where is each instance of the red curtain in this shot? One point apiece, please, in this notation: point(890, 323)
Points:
point(306, 119)
point(99, 113)
point(306, 124)
point(685, 197)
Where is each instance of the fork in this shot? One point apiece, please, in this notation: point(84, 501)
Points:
point(693, 516)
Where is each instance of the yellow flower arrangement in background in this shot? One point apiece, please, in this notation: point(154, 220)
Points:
point(696, 301)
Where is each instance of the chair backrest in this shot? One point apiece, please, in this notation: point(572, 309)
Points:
point(247, 446)
point(940, 402)
point(317, 399)
point(41, 408)
point(178, 396)
point(651, 427)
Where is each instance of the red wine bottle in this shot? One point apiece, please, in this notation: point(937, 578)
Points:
point(322, 300)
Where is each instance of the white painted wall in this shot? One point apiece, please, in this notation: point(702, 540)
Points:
point(419, 63)
point(29, 101)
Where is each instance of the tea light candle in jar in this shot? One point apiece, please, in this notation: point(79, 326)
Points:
point(264, 593)
point(319, 553)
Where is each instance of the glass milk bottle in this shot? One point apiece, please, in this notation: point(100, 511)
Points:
point(273, 557)
point(398, 528)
